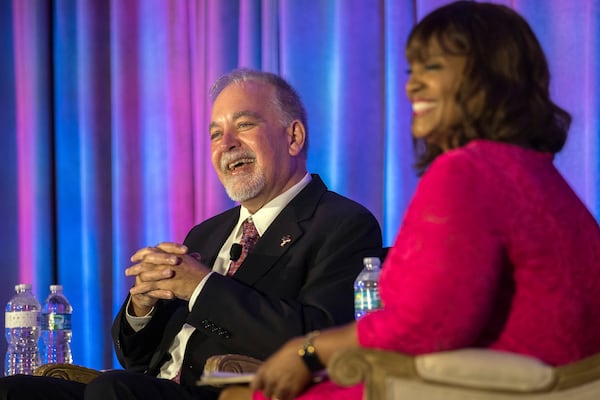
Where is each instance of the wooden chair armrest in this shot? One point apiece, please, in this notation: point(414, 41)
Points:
point(370, 366)
point(236, 363)
point(69, 372)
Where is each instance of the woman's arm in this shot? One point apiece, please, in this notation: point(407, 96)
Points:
point(284, 375)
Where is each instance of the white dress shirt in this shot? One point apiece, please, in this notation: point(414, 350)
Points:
point(262, 219)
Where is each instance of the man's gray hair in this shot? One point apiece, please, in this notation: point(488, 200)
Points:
point(286, 99)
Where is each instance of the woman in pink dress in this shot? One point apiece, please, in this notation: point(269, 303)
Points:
point(495, 250)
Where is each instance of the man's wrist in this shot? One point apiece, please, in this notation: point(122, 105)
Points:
point(308, 353)
point(141, 311)
point(136, 311)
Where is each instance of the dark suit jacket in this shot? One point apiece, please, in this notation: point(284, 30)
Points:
point(281, 290)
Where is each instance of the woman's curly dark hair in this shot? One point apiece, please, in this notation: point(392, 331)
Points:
point(505, 66)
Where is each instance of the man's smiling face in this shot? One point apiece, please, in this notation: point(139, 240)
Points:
point(249, 144)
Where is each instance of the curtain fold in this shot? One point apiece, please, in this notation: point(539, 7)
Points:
point(104, 114)
point(35, 197)
point(83, 163)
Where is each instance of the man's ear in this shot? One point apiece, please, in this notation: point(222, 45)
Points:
point(297, 137)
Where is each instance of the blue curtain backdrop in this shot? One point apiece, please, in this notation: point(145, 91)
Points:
point(104, 115)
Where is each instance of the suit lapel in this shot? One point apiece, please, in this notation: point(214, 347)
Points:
point(282, 234)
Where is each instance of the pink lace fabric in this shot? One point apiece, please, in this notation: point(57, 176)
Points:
point(326, 391)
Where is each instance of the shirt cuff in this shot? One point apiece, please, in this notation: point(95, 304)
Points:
point(137, 323)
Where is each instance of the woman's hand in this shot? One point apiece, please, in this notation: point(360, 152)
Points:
point(284, 375)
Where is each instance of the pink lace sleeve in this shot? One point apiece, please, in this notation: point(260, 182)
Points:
point(438, 282)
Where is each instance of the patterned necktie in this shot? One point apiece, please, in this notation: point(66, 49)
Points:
point(249, 238)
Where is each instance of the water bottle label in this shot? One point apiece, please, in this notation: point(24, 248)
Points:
point(367, 300)
point(21, 319)
point(55, 321)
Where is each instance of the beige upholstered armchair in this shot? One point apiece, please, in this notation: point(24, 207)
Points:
point(467, 374)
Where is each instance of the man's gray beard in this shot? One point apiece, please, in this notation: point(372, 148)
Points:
point(242, 188)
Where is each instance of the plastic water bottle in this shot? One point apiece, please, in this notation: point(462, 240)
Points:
point(56, 327)
point(22, 327)
point(366, 291)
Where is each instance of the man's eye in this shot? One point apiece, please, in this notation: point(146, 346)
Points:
point(245, 125)
point(215, 135)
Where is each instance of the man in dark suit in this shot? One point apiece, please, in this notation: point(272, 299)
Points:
point(300, 259)
point(298, 276)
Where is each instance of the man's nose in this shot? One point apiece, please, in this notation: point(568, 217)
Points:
point(229, 140)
